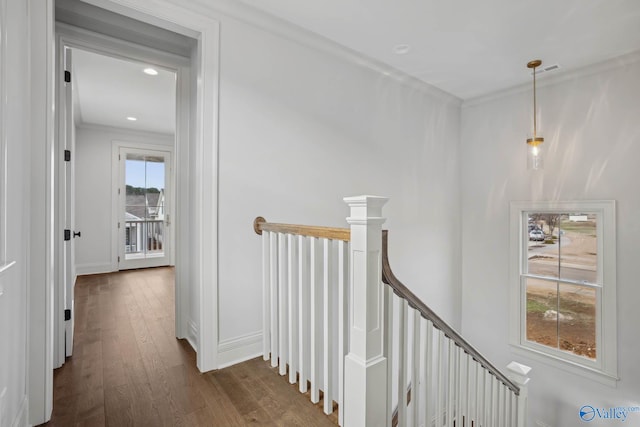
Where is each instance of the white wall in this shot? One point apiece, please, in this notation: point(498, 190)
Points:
point(300, 128)
point(94, 173)
point(590, 124)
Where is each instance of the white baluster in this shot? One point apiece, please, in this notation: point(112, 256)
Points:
point(315, 323)
point(505, 405)
point(494, 400)
point(328, 327)
point(429, 384)
point(304, 312)
point(388, 349)
point(415, 380)
point(466, 412)
point(292, 263)
point(273, 240)
point(266, 296)
point(343, 298)
point(403, 340)
point(513, 409)
point(282, 302)
point(440, 407)
point(452, 382)
point(458, 386)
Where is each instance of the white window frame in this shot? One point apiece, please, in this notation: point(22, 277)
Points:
point(604, 368)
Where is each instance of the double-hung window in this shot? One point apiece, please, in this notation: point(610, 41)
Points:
point(563, 278)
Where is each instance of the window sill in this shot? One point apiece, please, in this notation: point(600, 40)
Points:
point(566, 365)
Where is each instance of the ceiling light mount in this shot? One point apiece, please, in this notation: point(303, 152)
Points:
point(401, 49)
point(534, 143)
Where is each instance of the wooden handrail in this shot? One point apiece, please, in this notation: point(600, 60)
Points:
point(344, 234)
point(403, 292)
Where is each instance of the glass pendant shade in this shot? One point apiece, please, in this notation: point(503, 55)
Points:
point(535, 143)
point(535, 153)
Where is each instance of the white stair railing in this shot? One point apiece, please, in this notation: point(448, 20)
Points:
point(305, 284)
point(338, 321)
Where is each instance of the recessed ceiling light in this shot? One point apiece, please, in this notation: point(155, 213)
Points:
point(132, 119)
point(401, 49)
point(150, 71)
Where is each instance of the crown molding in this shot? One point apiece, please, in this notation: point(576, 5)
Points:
point(246, 14)
point(133, 132)
point(555, 79)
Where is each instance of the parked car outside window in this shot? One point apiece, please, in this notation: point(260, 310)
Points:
point(536, 235)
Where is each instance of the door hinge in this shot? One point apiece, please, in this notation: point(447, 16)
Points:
point(67, 314)
point(118, 258)
point(67, 155)
point(118, 191)
point(67, 76)
point(118, 225)
point(67, 235)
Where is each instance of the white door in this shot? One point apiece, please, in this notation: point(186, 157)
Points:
point(67, 203)
point(145, 197)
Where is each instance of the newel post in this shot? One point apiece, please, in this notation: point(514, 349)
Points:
point(518, 373)
point(365, 367)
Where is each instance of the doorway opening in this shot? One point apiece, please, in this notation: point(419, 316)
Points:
point(119, 98)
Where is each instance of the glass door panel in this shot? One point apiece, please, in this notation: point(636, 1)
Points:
point(145, 208)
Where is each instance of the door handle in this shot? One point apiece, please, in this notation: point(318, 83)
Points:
point(77, 234)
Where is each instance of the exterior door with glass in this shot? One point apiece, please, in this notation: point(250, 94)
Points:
point(145, 197)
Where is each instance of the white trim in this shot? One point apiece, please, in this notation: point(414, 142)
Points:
point(21, 419)
point(604, 368)
point(192, 334)
point(554, 79)
point(252, 16)
point(205, 273)
point(239, 349)
point(124, 131)
point(93, 268)
point(186, 69)
point(41, 268)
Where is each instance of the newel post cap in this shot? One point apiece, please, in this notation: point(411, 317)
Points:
point(365, 207)
point(518, 373)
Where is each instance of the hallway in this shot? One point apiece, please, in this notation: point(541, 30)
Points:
point(128, 369)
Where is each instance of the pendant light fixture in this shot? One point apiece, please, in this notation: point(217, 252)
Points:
point(534, 143)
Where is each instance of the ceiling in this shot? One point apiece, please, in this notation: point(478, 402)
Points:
point(470, 48)
point(108, 90)
point(467, 48)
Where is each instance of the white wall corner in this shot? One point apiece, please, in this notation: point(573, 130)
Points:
point(240, 349)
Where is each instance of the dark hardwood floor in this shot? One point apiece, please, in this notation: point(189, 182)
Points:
point(128, 369)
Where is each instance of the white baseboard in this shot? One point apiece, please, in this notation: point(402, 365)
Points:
point(192, 335)
point(239, 349)
point(21, 419)
point(93, 268)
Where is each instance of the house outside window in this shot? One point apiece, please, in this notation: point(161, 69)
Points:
point(563, 278)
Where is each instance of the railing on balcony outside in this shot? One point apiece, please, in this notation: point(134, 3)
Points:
point(339, 322)
point(144, 237)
